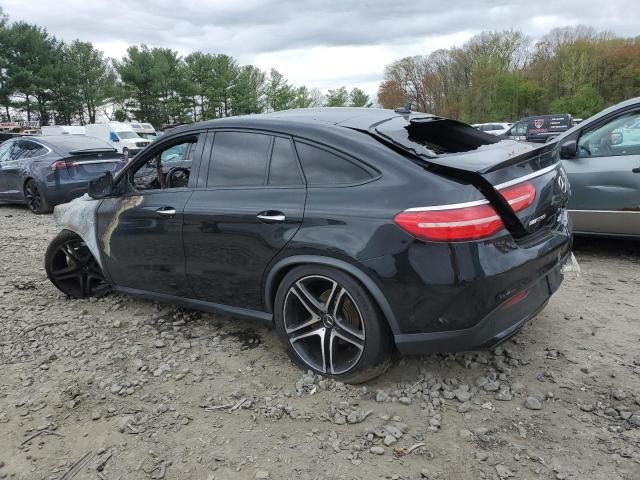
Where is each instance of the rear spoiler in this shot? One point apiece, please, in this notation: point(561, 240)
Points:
point(92, 150)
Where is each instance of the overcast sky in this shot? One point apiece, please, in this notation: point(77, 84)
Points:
point(319, 43)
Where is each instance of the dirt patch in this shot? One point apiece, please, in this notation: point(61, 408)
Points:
point(124, 388)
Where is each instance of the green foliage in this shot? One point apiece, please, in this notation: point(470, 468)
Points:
point(498, 76)
point(582, 104)
point(337, 98)
point(358, 98)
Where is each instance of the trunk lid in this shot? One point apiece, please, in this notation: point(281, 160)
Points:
point(93, 162)
point(492, 164)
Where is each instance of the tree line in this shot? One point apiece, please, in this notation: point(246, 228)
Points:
point(45, 79)
point(502, 76)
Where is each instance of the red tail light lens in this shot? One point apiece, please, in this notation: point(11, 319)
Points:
point(467, 222)
point(61, 164)
point(519, 196)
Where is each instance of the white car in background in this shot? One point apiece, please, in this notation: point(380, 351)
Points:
point(493, 128)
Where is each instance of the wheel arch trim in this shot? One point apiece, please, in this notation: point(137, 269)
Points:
point(353, 270)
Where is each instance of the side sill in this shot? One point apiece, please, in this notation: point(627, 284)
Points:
point(216, 308)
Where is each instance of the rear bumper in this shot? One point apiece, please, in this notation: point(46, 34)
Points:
point(58, 193)
point(495, 328)
point(457, 296)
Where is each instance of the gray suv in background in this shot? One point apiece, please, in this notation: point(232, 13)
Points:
point(601, 156)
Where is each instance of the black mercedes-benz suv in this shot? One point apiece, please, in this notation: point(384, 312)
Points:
point(353, 231)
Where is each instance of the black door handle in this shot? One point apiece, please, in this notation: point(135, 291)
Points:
point(636, 170)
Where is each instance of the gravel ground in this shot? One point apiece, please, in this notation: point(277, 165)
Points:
point(119, 388)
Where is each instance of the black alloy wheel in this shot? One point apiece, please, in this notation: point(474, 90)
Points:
point(331, 325)
point(33, 197)
point(73, 269)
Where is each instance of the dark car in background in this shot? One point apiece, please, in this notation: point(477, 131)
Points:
point(354, 231)
point(540, 128)
point(601, 156)
point(44, 171)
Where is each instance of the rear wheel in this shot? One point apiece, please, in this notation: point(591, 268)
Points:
point(34, 198)
point(331, 325)
point(72, 268)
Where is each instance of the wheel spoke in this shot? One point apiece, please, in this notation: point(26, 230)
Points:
point(67, 276)
point(308, 301)
point(72, 253)
point(83, 284)
point(319, 332)
point(337, 302)
point(306, 324)
point(354, 339)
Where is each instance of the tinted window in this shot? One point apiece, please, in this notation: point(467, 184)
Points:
point(5, 151)
point(27, 149)
point(239, 159)
point(284, 166)
point(34, 149)
point(324, 168)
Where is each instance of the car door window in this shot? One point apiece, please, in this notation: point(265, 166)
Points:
point(283, 168)
point(239, 159)
point(168, 168)
point(5, 151)
point(519, 129)
point(28, 149)
point(618, 136)
point(322, 167)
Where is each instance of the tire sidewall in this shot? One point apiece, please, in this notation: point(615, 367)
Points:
point(378, 340)
point(44, 205)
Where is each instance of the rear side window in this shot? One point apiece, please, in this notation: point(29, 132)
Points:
point(239, 159)
point(27, 149)
point(322, 167)
point(283, 169)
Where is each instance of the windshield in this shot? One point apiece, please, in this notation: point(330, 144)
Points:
point(126, 135)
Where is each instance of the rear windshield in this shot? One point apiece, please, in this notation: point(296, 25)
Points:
point(71, 143)
point(432, 136)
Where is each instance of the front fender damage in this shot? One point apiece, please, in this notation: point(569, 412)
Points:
point(80, 216)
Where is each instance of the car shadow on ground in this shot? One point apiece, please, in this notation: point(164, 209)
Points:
point(606, 246)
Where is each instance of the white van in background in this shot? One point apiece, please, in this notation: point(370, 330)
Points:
point(63, 130)
point(145, 130)
point(119, 135)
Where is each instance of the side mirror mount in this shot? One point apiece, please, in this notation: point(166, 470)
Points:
point(101, 187)
point(569, 149)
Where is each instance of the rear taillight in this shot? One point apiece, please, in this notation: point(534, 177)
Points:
point(60, 164)
point(460, 222)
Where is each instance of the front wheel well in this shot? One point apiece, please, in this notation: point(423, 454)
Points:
point(281, 268)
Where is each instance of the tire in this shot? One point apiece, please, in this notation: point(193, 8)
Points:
point(35, 198)
point(125, 152)
point(331, 325)
point(72, 268)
